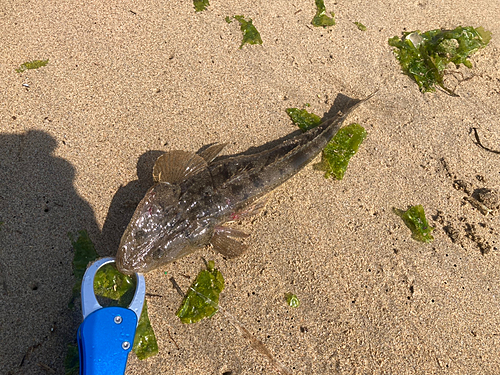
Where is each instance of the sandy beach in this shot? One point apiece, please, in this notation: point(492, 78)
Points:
point(128, 80)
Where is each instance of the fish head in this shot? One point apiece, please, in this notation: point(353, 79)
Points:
point(156, 233)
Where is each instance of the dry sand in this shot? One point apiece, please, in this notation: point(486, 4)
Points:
point(127, 80)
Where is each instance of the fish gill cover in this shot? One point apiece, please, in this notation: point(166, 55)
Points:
point(425, 56)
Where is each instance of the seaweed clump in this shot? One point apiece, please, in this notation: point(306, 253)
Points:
point(425, 56)
point(340, 150)
point(202, 299)
point(360, 26)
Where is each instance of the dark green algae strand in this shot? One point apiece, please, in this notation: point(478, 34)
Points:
point(415, 220)
point(321, 18)
point(424, 56)
point(250, 33)
point(202, 299)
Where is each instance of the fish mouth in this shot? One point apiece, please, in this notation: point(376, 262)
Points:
point(131, 264)
point(122, 267)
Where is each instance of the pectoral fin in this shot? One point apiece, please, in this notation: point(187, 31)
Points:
point(223, 241)
point(177, 166)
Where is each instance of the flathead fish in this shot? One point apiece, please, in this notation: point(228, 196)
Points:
point(195, 194)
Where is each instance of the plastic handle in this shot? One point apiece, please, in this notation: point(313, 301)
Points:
point(105, 338)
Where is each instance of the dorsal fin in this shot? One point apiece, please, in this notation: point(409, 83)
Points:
point(177, 166)
point(211, 152)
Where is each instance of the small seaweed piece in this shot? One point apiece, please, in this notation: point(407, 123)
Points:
point(415, 220)
point(250, 33)
point(360, 26)
point(209, 284)
point(292, 300)
point(145, 344)
point(303, 119)
point(84, 254)
point(200, 5)
point(35, 64)
point(321, 18)
point(425, 56)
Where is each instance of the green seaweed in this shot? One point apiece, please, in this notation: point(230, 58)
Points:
point(145, 344)
point(415, 220)
point(250, 33)
point(303, 119)
point(203, 297)
point(292, 300)
point(200, 5)
point(116, 288)
point(84, 254)
point(321, 18)
point(425, 56)
point(340, 150)
point(360, 26)
point(35, 64)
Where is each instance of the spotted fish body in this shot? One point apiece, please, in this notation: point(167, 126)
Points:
point(194, 195)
